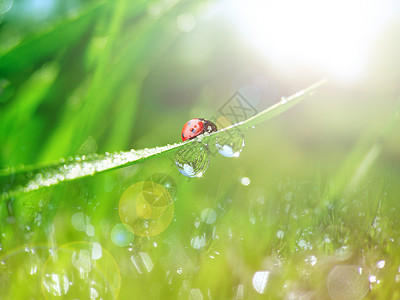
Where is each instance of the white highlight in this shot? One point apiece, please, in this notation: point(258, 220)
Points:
point(335, 36)
point(380, 264)
point(260, 280)
point(245, 181)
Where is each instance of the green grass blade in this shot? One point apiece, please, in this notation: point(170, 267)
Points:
point(32, 178)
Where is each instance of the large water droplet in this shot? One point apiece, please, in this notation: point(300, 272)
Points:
point(230, 144)
point(193, 160)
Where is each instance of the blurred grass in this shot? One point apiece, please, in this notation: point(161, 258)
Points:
point(324, 177)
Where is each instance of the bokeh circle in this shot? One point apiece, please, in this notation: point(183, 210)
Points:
point(81, 270)
point(146, 208)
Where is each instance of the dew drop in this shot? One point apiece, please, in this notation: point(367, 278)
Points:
point(195, 294)
point(208, 215)
point(198, 242)
point(193, 160)
point(280, 234)
point(56, 284)
point(284, 100)
point(380, 264)
point(230, 144)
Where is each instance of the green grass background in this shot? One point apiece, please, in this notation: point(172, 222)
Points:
point(97, 76)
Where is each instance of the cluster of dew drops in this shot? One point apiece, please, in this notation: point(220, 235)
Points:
point(194, 159)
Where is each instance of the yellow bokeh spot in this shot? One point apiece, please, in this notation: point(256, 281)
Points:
point(146, 208)
point(223, 122)
point(143, 210)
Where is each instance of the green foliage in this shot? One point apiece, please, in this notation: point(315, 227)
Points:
point(314, 189)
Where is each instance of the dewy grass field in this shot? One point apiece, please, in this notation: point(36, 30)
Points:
point(295, 197)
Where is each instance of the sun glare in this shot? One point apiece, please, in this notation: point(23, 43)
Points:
point(336, 37)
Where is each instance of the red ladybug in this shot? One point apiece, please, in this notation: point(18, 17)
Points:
point(195, 127)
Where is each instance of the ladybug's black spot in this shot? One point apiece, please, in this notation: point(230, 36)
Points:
point(183, 136)
point(192, 130)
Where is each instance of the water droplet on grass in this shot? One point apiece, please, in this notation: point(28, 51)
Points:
point(193, 160)
point(198, 242)
point(347, 282)
point(230, 144)
point(80, 268)
point(56, 284)
point(284, 100)
point(195, 294)
point(79, 221)
point(208, 215)
point(380, 264)
point(142, 262)
point(312, 260)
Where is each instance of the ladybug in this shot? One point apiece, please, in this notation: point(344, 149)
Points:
point(196, 127)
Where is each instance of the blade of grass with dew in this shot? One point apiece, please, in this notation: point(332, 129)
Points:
point(30, 178)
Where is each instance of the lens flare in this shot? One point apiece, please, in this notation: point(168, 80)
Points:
point(146, 208)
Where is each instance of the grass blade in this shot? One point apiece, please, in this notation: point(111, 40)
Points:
point(32, 178)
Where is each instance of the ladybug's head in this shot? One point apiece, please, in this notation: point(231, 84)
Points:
point(209, 126)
